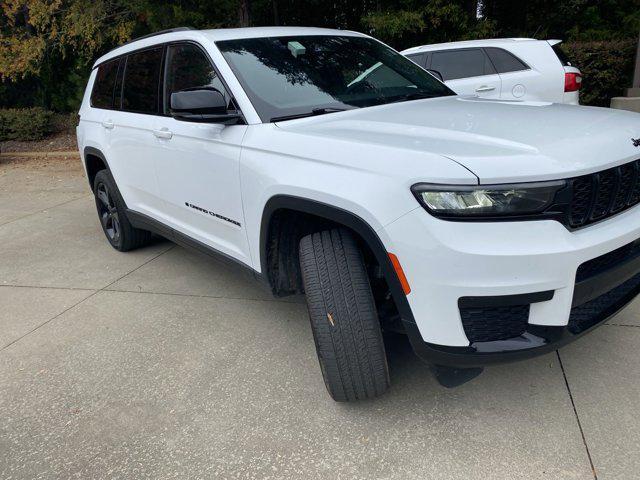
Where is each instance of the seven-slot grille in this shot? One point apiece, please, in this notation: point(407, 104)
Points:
point(602, 194)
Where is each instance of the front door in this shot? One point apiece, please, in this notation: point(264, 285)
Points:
point(197, 164)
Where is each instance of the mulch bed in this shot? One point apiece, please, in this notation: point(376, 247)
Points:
point(54, 143)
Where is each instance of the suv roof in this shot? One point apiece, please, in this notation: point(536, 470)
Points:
point(468, 43)
point(215, 35)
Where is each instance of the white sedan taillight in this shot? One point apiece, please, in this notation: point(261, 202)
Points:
point(572, 82)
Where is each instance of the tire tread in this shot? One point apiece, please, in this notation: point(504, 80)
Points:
point(351, 352)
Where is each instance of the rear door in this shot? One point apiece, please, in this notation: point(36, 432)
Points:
point(467, 72)
point(130, 152)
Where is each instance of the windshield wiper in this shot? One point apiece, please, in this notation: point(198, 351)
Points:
point(315, 111)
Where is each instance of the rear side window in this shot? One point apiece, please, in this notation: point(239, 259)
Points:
point(504, 61)
point(188, 67)
point(142, 81)
point(103, 88)
point(562, 55)
point(419, 58)
point(454, 64)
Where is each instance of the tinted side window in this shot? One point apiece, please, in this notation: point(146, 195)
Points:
point(454, 64)
point(102, 94)
point(505, 61)
point(189, 67)
point(142, 81)
point(418, 58)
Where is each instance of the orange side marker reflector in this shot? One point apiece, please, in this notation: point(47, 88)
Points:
point(400, 273)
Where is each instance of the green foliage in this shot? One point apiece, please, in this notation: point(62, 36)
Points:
point(607, 68)
point(25, 124)
point(64, 123)
point(47, 47)
point(392, 26)
point(574, 20)
point(432, 21)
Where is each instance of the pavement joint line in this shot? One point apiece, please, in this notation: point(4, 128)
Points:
point(44, 287)
point(95, 292)
point(622, 325)
point(575, 412)
point(193, 295)
point(146, 292)
point(43, 210)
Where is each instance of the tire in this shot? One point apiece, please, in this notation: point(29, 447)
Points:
point(343, 316)
point(113, 215)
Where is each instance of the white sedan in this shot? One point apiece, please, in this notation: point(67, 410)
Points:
point(506, 69)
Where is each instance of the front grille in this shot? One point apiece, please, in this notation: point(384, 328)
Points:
point(588, 314)
point(488, 324)
point(607, 261)
point(599, 195)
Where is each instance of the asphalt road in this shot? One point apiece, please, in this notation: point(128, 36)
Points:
point(161, 363)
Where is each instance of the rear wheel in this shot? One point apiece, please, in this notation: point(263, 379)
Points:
point(113, 215)
point(343, 316)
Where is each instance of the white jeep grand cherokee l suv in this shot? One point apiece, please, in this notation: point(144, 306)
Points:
point(487, 231)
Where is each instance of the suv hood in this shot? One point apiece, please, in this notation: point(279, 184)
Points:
point(499, 141)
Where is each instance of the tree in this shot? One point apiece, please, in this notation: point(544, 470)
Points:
point(583, 20)
point(54, 40)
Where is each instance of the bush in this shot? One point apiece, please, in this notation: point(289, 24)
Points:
point(607, 68)
point(64, 123)
point(25, 124)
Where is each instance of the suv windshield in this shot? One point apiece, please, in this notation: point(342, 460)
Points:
point(293, 77)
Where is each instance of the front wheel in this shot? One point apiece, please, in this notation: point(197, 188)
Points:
point(343, 316)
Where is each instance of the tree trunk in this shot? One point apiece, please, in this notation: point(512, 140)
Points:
point(636, 74)
point(276, 17)
point(244, 13)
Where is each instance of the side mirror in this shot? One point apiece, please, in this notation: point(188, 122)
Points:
point(206, 105)
point(436, 74)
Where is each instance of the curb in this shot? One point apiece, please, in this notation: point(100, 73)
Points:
point(41, 154)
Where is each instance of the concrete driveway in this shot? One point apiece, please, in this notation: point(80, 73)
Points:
point(161, 363)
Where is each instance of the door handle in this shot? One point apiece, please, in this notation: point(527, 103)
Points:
point(163, 133)
point(108, 124)
point(485, 88)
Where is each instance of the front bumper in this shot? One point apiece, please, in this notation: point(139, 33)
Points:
point(532, 263)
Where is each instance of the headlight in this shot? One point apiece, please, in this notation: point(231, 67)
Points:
point(487, 200)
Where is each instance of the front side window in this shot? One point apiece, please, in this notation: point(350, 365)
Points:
point(189, 68)
point(453, 64)
point(142, 81)
point(304, 75)
point(102, 95)
point(504, 61)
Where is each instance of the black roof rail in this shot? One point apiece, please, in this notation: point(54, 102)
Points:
point(161, 32)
